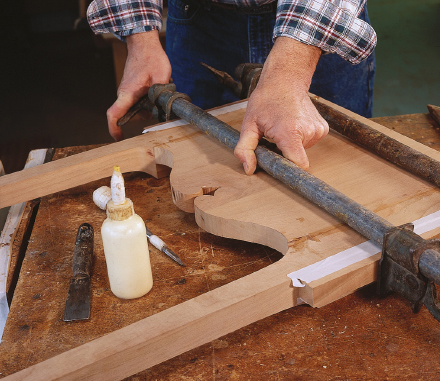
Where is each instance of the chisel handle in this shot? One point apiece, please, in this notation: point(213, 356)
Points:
point(83, 252)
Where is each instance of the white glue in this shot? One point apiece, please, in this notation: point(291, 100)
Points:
point(125, 245)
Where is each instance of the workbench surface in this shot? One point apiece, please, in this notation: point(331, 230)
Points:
point(361, 336)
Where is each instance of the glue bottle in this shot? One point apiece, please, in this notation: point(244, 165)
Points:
point(125, 245)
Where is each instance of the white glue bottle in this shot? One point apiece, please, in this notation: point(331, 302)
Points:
point(125, 245)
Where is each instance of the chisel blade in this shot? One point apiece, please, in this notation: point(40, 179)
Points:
point(78, 298)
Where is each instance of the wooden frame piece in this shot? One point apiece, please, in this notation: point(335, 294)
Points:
point(15, 213)
point(188, 325)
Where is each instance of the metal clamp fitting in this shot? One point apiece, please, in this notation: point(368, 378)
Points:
point(408, 267)
point(168, 91)
point(248, 75)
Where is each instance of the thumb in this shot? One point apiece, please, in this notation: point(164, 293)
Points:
point(117, 111)
point(244, 150)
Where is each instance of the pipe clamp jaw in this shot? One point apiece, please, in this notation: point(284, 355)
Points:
point(410, 266)
point(169, 92)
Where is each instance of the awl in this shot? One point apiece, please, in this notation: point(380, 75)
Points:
point(160, 245)
point(78, 298)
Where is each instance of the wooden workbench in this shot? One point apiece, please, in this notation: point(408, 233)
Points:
point(360, 336)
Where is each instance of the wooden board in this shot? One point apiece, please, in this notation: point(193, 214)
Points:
point(7, 237)
point(251, 208)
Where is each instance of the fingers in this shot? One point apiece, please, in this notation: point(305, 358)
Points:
point(294, 150)
point(292, 135)
point(117, 111)
point(146, 64)
point(320, 130)
point(294, 138)
point(244, 150)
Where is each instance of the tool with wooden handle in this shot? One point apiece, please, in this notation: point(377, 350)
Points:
point(405, 255)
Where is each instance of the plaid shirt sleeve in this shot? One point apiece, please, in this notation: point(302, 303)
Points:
point(332, 26)
point(124, 17)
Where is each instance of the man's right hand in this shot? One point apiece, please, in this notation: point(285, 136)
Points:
point(147, 64)
point(280, 107)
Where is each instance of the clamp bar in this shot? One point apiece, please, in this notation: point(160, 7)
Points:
point(336, 203)
point(382, 145)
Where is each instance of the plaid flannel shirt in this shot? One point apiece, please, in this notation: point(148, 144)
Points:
point(331, 25)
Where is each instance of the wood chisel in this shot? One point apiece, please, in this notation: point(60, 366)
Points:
point(78, 298)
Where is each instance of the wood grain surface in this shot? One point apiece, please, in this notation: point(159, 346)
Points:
point(360, 336)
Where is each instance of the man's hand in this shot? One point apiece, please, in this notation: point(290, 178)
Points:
point(146, 64)
point(280, 108)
